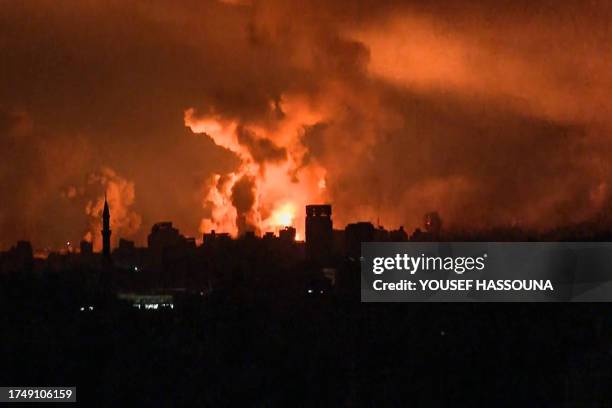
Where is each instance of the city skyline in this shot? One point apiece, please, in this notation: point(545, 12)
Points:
point(282, 231)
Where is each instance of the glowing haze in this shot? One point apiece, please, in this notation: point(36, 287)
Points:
point(272, 183)
point(232, 115)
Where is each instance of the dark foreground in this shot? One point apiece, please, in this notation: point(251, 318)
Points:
point(321, 351)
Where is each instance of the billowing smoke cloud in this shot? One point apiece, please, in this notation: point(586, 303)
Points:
point(271, 182)
point(260, 149)
point(34, 172)
point(120, 196)
point(490, 113)
point(243, 199)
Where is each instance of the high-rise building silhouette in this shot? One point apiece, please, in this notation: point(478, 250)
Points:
point(355, 234)
point(319, 233)
point(106, 232)
point(170, 254)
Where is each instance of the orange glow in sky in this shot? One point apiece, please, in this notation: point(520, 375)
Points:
point(278, 187)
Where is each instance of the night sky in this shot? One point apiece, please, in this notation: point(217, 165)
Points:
point(232, 115)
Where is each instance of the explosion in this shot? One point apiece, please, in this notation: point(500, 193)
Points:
point(487, 113)
point(274, 179)
point(120, 195)
point(284, 215)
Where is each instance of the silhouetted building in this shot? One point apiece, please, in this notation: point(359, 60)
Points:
point(398, 235)
point(381, 234)
point(287, 234)
point(86, 248)
point(212, 237)
point(128, 256)
point(20, 258)
point(126, 245)
point(360, 232)
point(418, 235)
point(319, 233)
point(163, 235)
point(170, 254)
point(106, 232)
point(355, 234)
point(249, 235)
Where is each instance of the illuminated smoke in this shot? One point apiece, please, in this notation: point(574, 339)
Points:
point(272, 184)
point(120, 195)
point(488, 112)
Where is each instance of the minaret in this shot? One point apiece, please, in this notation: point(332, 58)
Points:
point(106, 232)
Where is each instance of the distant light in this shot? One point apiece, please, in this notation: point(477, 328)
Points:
point(309, 290)
point(91, 308)
point(136, 268)
point(68, 243)
point(82, 309)
point(321, 292)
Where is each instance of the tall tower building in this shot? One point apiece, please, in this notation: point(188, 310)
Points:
point(319, 233)
point(106, 231)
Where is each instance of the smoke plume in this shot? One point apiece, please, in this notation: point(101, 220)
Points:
point(232, 115)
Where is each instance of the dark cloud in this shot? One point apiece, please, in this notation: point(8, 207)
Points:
point(478, 166)
point(260, 148)
point(314, 139)
point(243, 199)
